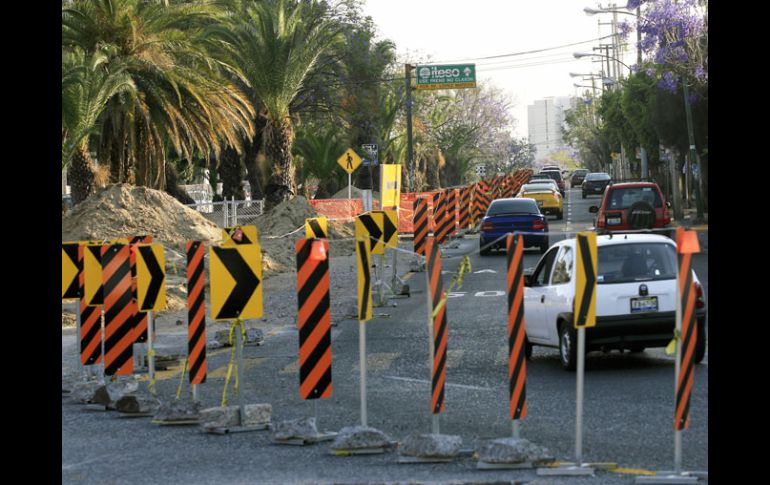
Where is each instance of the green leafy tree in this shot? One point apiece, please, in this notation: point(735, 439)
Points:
point(184, 98)
point(87, 86)
point(276, 46)
point(318, 152)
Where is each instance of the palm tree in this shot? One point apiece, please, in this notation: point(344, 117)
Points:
point(88, 83)
point(184, 101)
point(319, 153)
point(276, 47)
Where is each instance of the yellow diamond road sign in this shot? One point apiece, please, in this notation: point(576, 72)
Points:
point(349, 161)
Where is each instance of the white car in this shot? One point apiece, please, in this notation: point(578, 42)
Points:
point(635, 298)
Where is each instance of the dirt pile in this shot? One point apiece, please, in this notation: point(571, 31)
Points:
point(123, 210)
point(283, 225)
point(355, 193)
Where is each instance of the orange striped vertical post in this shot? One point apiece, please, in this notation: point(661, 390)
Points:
point(437, 322)
point(464, 209)
point(687, 330)
point(314, 319)
point(517, 362)
point(196, 315)
point(90, 323)
point(420, 223)
point(451, 213)
point(439, 215)
point(118, 333)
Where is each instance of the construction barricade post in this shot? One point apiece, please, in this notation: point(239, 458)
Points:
point(196, 315)
point(437, 330)
point(517, 362)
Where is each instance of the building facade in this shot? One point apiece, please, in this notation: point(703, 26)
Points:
point(545, 119)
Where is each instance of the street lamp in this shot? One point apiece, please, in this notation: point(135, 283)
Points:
point(579, 55)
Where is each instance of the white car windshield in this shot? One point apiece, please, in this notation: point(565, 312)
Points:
point(625, 263)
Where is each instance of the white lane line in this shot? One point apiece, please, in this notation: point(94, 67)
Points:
point(422, 381)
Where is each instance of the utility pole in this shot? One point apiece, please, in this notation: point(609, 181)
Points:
point(693, 155)
point(410, 153)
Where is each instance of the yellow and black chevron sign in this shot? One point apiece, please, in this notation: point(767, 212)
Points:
point(233, 236)
point(71, 266)
point(369, 226)
point(150, 277)
point(236, 282)
point(390, 228)
point(92, 269)
point(317, 228)
point(364, 258)
point(586, 271)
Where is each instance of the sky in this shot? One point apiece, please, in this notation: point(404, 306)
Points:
point(466, 30)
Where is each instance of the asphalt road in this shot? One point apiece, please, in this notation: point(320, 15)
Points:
point(628, 409)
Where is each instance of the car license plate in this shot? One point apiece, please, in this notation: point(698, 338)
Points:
point(613, 221)
point(644, 304)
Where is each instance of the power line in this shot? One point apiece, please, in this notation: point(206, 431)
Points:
point(527, 52)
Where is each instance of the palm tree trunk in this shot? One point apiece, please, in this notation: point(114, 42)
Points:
point(81, 174)
point(279, 136)
point(230, 173)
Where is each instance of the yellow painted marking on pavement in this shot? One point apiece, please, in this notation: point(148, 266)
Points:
point(221, 372)
point(407, 276)
point(378, 361)
point(454, 357)
point(632, 471)
point(170, 373)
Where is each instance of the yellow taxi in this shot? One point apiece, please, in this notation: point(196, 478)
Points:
point(547, 196)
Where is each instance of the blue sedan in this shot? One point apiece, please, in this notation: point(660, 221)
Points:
point(511, 215)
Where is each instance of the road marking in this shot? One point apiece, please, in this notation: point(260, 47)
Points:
point(502, 356)
point(484, 271)
point(489, 293)
point(378, 361)
point(407, 276)
point(427, 383)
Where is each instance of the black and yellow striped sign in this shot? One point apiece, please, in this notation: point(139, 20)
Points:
point(517, 362)
point(317, 228)
point(585, 280)
point(118, 324)
point(369, 226)
point(236, 235)
point(390, 228)
point(92, 269)
point(314, 320)
point(71, 266)
point(196, 313)
point(364, 258)
point(90, 322)
point(236, 282)
point(150, 277)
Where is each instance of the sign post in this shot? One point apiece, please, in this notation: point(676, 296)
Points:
point(349, 161)
point(584, 315)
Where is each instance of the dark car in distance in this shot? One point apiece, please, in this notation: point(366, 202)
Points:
point(578, 176)
point(509, 216)
point(595, 183)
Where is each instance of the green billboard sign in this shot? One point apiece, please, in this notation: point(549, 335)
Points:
point(454, 76)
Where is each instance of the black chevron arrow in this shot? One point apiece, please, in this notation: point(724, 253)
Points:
point(157, 277)
point(373, 229)
point(245, 282)
point(588, 291)
point(315, 226)
point(389, 228)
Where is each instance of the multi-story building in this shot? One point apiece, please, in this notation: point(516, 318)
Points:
point(545, 119)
